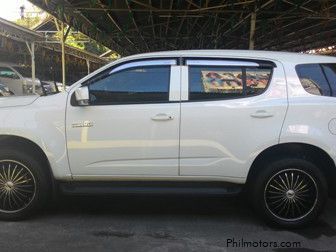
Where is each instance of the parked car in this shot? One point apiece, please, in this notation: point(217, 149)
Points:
point(55, 86)
point(180, 122)
point(4, 90)
point(18, 78)
point(50, 87)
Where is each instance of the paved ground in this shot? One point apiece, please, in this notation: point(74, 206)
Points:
point(148, 223)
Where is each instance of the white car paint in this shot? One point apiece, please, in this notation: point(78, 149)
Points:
point(308, 117)
point(225, 144)
point(42, 122)
point(13, 101)
point(124, 142)
point(141, 138)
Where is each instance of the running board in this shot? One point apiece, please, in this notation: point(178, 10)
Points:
point(155, 187)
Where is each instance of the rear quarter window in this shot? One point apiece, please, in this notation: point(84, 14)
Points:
point(330, 73)
point(313, 79)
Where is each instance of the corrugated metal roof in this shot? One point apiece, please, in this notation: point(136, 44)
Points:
point(133, 26)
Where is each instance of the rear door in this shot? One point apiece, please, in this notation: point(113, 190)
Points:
point(230, 111)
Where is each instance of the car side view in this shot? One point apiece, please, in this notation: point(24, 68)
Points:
point(18, 79)
point(208, 121)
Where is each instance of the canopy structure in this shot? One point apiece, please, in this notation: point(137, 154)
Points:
point(18, 33)
point(134, 26)
point(17, 41)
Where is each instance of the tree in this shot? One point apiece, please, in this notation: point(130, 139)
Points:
point(30, 19)
point(75, 39)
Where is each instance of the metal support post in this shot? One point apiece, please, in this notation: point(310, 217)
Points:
point(63, 54)
point(252, 30)
point(31, 49)
point(88, 66)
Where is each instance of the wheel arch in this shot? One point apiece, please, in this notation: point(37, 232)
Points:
point(30, 147)
point(298, 150)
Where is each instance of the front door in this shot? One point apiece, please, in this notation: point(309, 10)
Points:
point(131, 127)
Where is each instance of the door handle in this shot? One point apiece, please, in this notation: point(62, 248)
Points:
point(261, 114)
point(162, 117)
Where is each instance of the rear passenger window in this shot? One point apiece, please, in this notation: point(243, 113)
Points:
point(313, 79)
point(257, 80)
point(224, 82)
point(214, 82)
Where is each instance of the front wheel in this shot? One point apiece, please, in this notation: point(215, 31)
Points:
point(290, 192)
point(24, 185)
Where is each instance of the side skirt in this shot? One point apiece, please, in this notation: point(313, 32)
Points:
point(149, 187)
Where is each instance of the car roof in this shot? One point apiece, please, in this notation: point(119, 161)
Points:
point(289, 57)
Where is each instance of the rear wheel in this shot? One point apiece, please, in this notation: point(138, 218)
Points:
point(24, 185)
point(290, 192)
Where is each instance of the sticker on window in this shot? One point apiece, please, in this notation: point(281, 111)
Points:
point(222, 81)
point(257, 80)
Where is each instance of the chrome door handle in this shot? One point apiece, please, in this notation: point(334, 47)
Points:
point(261, 114)
point(162, 117)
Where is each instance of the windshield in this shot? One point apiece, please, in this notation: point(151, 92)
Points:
point(24, 71)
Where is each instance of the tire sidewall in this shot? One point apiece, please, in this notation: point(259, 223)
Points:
point(42, 185)
point(273, 168)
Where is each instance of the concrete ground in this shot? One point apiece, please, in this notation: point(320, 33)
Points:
point(156, 223)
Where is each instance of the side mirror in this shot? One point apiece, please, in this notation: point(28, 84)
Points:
point(82, 96)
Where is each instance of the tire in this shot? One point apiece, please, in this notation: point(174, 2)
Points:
point(24, 185)
point(289, 192)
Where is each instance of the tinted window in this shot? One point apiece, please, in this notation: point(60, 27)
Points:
point(226, 82)
point(313, 79)
point(134, 85)
point(330, 72)
point(257, 80)
point(6, 72)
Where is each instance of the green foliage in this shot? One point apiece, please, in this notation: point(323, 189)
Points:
point(75, 39)
point(31, 18)
point(29, 21)
point(80, 41)
point(95, 48)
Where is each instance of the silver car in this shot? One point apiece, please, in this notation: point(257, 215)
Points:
point(4, 90)
point(18, 79)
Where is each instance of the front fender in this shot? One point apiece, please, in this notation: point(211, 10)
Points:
point(42, 122)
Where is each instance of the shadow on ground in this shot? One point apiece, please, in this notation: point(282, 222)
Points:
point(156, 223)
point(152, 204)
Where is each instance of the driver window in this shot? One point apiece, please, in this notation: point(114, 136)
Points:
point(142, 84)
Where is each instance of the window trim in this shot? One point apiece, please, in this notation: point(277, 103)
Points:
point(109, 69)
point(145, 63)
point(243, 68)
point(227, 63)
point(261, 62)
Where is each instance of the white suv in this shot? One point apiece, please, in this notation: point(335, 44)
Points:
point(180, 122)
